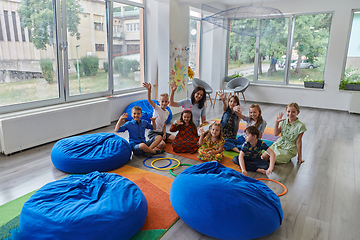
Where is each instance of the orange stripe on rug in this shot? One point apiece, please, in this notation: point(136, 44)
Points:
point(156, 189)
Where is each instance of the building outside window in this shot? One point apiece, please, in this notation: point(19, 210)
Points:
point(33, 78)
point(128, 46)
point(132, 27)
point(99, 47)
point(98, 26)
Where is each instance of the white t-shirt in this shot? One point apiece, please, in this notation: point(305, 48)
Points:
point(250, 122)
point(162, 116)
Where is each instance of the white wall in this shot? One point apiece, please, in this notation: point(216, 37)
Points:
point(330, 97)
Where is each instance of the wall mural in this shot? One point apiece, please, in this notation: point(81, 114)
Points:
point(178, 65)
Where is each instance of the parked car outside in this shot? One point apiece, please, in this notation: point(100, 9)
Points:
point(304, 64)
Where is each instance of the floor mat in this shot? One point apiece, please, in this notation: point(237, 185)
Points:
point(155, 187)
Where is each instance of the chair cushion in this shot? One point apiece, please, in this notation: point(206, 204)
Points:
point(147, 110)
point(91, 152)
point(222, 203)
point(93, 206)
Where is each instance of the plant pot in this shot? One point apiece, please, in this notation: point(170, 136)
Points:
point(354, 87)
point(314, 84)
point(227, 79)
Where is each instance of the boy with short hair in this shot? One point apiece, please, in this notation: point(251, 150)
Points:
point(161, 115)
point(136, 129)
point(251, 151)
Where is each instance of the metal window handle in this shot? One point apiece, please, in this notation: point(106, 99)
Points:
point(63, 46)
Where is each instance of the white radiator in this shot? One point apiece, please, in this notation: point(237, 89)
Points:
point(30, 129)
point(355, 103)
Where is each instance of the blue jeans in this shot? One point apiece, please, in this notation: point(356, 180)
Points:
point(137, 151)
point(231, 143)
point(252, 164)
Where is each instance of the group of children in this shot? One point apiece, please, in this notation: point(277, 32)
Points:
point(254, 154)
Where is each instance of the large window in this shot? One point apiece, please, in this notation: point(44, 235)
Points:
point(309, 49)
point(52, 56)
point(28, 70)
point(242, 49)
point(128, 46)
point(267, 63)
point(352, 67)
point(194, 43)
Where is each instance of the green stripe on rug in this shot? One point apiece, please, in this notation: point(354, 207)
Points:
point(230, 154)
point(12, 209)
point(148, 234)
point(5, 229)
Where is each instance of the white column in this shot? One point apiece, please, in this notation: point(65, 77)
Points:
point(179, 45)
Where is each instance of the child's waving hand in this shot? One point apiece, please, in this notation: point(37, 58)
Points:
point(279, 117)
point(147, 85)
point(124, 117)
point(153, 119)
point(222, 94)
point(173, 86)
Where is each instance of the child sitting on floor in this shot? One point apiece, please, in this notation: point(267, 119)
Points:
point(230, 121)
point(136, 129)
point(250, 154)
point(292, 130)
point(161, 115)
point(254, 119)
point(186, 141)
point(212, 145)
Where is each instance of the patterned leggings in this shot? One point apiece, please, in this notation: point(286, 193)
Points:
point(205, 156)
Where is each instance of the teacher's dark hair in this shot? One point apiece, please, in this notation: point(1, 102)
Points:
point(202, 100)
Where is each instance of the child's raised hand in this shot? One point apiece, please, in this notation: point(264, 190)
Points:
point(178, 122)
point(153, 119)
point(124, 117)
point(238, 108)
point(147, 86)
point(173, 86)
point(279, 117)
point(202, 131)
point(222, 94)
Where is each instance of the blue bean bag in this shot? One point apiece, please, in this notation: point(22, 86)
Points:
point(92, 206)
point(92, 152)
point(222, 203)
point(147, 110)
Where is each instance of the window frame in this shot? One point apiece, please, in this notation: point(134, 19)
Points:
point(110, 43)
point(193, 17)
point(353, 11)
point(62, 58)
point(290, 39)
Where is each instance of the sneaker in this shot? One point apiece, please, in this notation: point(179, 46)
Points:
point(159, 151)
point(148, 154)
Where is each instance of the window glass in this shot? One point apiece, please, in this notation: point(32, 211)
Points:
point(15, 26)
point(30, 73)
point(194, 45)
point(242, 49)
point(87, 47)
point(352, 69)
point(309, 50)
point(272, 55)
point(128, 54)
